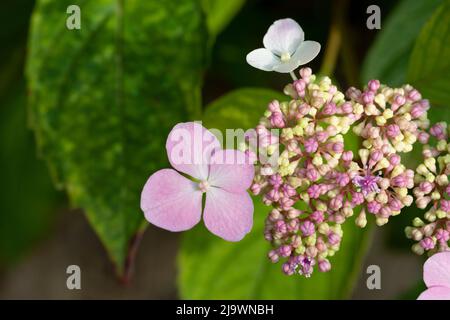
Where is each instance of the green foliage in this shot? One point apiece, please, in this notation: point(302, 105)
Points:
point(241, 108)
point(211, 268)
point(27, 197)
point(387, 59)
point(104, 98)
point(219, 13)
point(429, 68)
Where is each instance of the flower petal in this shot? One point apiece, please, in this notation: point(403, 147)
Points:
point(228, 215)
point(231, 170)
point(189, 149)
point(435, 293)
point(171, 201)
point(436, 270)
point(262, 59)
point(283, 36)
point(306, 52)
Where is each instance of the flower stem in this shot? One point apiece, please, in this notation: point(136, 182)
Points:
point(293, 76)
point(334, 37)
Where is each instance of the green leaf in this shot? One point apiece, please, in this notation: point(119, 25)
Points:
point(104, 98)
point(241, 108)
point(429, 68)
point(27, 198)
point(211, 268)
point(219, 13)
point(388, 57)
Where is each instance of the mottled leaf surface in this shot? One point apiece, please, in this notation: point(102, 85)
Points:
point(103, 98)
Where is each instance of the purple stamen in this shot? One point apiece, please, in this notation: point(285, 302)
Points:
point(367, 183)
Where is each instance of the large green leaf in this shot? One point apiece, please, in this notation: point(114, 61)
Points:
point(211, 268)
point(429, 68)
point(104, 98)
point(388, 57)
point(219, 13)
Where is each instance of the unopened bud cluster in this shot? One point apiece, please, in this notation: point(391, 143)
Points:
point(315, 184)
point(432, 193)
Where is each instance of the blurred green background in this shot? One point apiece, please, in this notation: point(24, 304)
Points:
point(101, 101)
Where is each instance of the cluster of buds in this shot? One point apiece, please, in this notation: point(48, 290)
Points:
point(315, 184)
point(389, 116)
point(310, 139)
point(432, 193)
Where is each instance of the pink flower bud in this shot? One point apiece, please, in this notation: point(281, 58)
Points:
point(373, 85)
point(367, 97)
point(385, 212)
point(426, 187)
point(417, 111)
point(376, 155)
point(312, 174)
point(414, 95)
point(392, 130)
point(305, 72)
point(373, 207)
point(275, 180)
point(442, 235)
point(333, 238)
point(307, 228)
point(255, 188)
point(274, 106)
point(423, 137)
point(276, 120)
point(394, 159)
point(329, 109)
point(399, 181)
point(338, 147)
point(285, 250)
point(322, 136)
point(314, 191)
point(300, 85)
point(317, 216)
point(347, 108)
point(324, 265)
point(303, 110)
point(399, 100)
point(395, 204)
point(427, 243)
point(438, 131)
point(287, 269)
point(347, 156)
point(280, 226)
point(445, 205)
point(311, 145)
point(273, 256)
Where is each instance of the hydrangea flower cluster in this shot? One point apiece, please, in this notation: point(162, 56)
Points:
point(311, 126)
point(316, 184)
point(432, 192)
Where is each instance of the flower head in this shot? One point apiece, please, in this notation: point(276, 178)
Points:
point(432, 193)
point(284, 48)
point(311, 125)
point(436, 275)
point(173, 202)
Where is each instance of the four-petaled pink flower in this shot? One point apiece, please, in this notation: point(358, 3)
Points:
point(173, 202)
point(436, 275)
